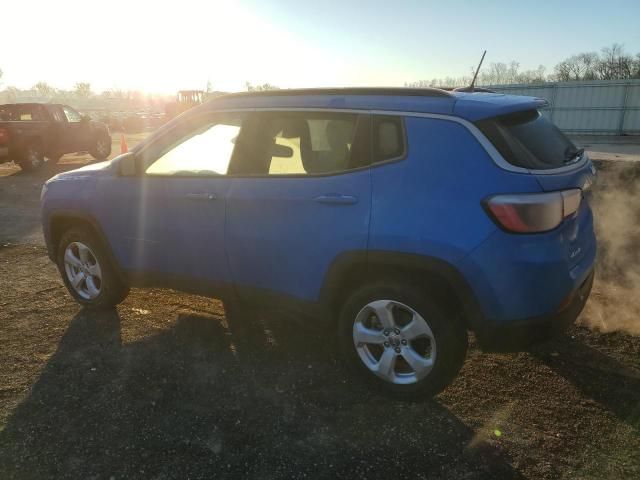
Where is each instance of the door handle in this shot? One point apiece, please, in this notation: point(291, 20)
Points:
point(201, 196)
point(337, 199)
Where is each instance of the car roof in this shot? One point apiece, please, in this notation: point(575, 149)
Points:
point(471, 106)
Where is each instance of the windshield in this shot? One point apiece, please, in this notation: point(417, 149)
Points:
point(529, 140)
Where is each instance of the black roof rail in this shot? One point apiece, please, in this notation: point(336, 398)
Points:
point(390, 91)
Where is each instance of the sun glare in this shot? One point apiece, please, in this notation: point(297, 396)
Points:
point(161, 48)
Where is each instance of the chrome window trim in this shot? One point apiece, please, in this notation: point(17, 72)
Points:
point(497, 158)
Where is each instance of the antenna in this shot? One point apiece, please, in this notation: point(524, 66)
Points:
point(473, 82)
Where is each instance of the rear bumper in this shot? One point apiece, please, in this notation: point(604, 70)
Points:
point(522, 334)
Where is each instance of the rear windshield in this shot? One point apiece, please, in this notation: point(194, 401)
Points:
point(527, 139)
point(25, 113)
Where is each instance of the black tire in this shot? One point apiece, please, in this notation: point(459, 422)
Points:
point(54, 157)
point(112, 290)
point(32, 156)
point(101, 148)
point(450, 336)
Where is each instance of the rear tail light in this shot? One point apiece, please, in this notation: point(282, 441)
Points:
point(533, 212)
point(4, 136)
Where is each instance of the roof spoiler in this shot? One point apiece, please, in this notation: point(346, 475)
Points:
point(474, 90)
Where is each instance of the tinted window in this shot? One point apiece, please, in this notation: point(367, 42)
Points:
point(71, 114)
point(527, 139)
point(388, 138)
point(24, 113)
point(290, 143)
point(205, 151)
point(56, 113)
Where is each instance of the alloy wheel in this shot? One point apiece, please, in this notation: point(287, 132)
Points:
point(83, 270)
point(394, 342)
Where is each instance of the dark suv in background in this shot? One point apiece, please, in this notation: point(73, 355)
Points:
point(31, 132)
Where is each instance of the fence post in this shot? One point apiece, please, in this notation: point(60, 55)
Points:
point(554, 94)
point(623, 111)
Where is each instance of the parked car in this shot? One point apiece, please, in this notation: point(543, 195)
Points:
point(403, 218)
point(31, 132)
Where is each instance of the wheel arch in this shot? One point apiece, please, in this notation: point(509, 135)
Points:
point(30, 140)
point(61, 221)
point(352, 269)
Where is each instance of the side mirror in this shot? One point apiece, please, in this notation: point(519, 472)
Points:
point(278, 150)
point(126, 165)
point(85, 118)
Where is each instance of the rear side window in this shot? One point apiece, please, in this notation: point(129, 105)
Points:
point(527, 139)
point(388, 138)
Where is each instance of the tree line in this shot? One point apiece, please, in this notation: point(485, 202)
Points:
point(611, 63)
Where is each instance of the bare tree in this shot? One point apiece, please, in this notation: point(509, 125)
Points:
point(82, 90)
point(614, 63)
point(11, 94)
point(260, 88)
point(43, 89)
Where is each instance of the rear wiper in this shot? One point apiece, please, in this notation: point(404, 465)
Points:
point(573, 155)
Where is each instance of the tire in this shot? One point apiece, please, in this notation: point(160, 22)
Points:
point(105, 289)
point(442, 339)
point(32, 156)
point(102, 148)
point(54, 157)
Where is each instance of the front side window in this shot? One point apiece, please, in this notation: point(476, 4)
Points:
point(71, 114)
point(205, 151)
point(304, 143)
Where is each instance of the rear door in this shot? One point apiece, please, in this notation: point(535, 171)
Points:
point(300, 196)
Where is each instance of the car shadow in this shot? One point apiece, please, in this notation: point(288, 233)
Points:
point(195, 400)
point(598, 376)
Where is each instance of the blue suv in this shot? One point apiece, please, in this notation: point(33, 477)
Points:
point(402, 217)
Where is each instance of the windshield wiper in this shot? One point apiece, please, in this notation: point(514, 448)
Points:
point(573, 155)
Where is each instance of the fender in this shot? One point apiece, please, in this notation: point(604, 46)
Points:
point(363, 262)
point(81, 217)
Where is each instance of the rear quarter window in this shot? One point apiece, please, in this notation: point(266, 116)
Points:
point(388, 138)
point(529, 140)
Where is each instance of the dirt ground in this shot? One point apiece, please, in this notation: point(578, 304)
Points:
point(167, 387)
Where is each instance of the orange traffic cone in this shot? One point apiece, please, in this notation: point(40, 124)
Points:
point(123, 144)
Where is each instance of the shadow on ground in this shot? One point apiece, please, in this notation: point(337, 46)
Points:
point(199, 401)
point(600, 377)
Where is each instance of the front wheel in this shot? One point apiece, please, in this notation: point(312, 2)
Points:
point(87, 272)
point(102, 148)
point(32, 157)
point(401, 340)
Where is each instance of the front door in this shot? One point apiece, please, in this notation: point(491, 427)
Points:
point(300, 196)
point(173, 213)
point(76, 136)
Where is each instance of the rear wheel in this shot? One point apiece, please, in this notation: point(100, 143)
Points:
point(32, 156)
point(87, 272)
point(102, 148)
point(398, 337)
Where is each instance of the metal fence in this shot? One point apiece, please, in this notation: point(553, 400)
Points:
point(599, 107)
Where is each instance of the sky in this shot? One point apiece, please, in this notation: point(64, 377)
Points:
point(164, 46)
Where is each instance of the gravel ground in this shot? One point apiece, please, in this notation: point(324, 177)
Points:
point(167, 387)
